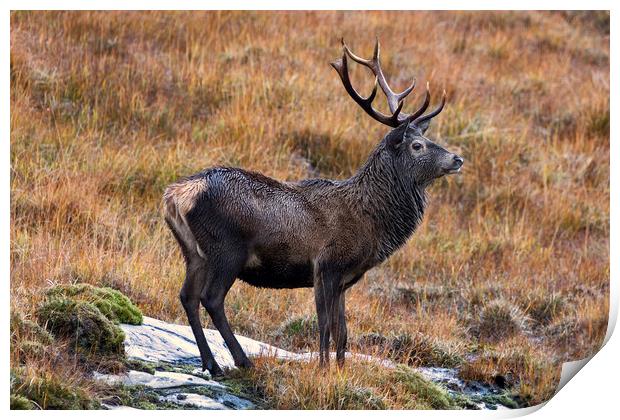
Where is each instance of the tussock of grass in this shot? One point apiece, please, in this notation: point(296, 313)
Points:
point(48, 390)
point(499, 320)
point(298, 332)
point(413, 349)
point(526, 368)
point(544, 308)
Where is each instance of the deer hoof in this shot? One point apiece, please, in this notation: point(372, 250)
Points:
point(246, 364)
point(213, 369)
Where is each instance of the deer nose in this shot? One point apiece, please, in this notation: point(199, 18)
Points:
point(458, 161)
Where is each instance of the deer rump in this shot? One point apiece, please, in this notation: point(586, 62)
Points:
point(265, 226)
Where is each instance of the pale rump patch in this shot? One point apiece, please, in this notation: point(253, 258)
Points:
point(184, 194)
point(179, 199)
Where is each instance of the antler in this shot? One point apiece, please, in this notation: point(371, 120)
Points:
point(395, 100)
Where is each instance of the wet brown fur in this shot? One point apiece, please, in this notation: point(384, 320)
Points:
point(231, 223)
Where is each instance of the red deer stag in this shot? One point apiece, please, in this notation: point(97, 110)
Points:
point(232, 223)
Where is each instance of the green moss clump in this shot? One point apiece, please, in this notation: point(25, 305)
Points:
point(111, 303)
point(47, 392)
point(141, 366)
point(88, 316)
point(84, 325)
point(25, 329)
point(504, 399)
point(29, 339)
point(140, 397)
point(19, 402)
point(428, 395)
point(32, 348)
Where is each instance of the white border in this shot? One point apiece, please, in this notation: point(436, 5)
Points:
point(594, 392)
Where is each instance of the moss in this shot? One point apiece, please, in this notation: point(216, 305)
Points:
point(49, 392)
point(29, 341)
point(32, 348)
point(25, 329)
point(88, 317)
point(141, 366)
point(502, 399)
point(19, 402)
point(82, 324)
point(464, 402)
point(183, 368)
point(112, 303)
point(427, 394)
point(139, 397)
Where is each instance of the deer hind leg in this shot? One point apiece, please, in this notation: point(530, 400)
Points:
point(190, 299)
point(225, 261)
point(193, 285)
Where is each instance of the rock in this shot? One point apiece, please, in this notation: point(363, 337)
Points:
point(158, 341)
point(221, 401)
point(157, 381)
point(170, 352)
point(196, 400)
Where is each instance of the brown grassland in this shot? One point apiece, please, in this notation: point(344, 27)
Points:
point(509, 272)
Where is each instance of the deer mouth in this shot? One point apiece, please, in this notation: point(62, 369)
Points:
point(457, 164)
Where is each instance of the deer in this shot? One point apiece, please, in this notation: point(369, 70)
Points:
point(232, 223)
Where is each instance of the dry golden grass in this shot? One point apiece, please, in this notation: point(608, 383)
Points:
point(107, 108)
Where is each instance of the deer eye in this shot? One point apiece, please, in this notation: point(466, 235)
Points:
point(416, 146)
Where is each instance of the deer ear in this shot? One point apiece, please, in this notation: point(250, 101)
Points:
point(395, 137)
point(423, 126)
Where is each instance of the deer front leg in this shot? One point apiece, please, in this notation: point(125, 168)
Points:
point(339, 328)
point(327, 300)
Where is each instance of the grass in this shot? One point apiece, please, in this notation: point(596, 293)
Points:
point(107, 108)
point(361, 386)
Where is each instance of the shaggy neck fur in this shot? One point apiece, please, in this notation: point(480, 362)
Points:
point(395, 205)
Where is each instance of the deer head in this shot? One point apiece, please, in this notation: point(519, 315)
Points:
point(412, 155)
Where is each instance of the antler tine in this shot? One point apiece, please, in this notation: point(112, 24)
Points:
point(374, 65)
point(433, 112)
point(427, 101)
point(341, 67)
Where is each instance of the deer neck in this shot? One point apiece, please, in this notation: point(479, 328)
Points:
point(394, 206)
